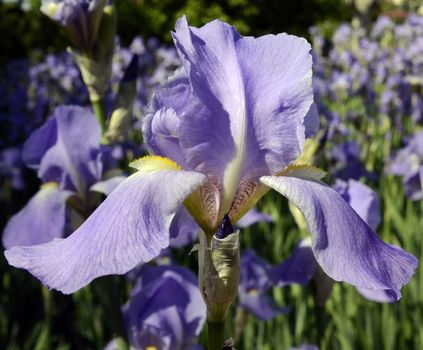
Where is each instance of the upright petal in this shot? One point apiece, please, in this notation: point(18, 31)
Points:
point(67, 149)
point(40, 221)
point(249, 100)
point(39, 142)
point(129, 227)
point(161, 124)
point(345, 247)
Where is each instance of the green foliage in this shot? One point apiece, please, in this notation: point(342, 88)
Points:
point(21, 31)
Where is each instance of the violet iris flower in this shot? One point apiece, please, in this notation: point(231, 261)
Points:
point(166, 310)
point(67, 168)
point(225, 130)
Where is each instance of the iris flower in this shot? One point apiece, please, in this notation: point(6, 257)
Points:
point(166, 310)
point(224, 131)
point(69, 171)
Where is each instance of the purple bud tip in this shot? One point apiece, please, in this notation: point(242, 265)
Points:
point(132, 70)
point(225, 228)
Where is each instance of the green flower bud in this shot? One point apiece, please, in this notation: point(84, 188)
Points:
point(219, 269)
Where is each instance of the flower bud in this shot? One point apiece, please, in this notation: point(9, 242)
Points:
point(121, 117)
point(80, 19)
point(96, 65)
point(91, 27)
point(219, 267)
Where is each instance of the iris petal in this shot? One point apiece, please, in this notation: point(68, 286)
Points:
point(246, 114)
point(129, 227)
point(345, 247)
point(40, 221)
point(57, 152)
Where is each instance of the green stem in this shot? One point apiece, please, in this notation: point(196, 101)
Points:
point(108, 292)
point(216, 335)
point(319, 312)
point(100, 114)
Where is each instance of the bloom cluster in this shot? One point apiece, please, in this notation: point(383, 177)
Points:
point(227, 126)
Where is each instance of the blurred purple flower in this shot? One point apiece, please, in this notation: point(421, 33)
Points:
point(347, 163)
point(408, 163)
point(252, 217)
point(11, 166)
point(382, 25)
point(229, 122)
point(305, 347)
point(166, 310)
point(67, 166)
point(362, 199)
point(255, 282)
point(298, 268)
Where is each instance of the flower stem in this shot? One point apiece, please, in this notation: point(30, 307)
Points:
point(216, 335)
point(107, 290)
point(100, 113)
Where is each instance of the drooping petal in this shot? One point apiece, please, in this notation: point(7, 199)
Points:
point(67, 149)
point(380, 296)
point(249, 100)
point(345, 247)
point(40, 221)
point(129, 227)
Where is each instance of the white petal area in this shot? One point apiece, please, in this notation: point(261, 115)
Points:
point(131, 226)
point(107, 186)
point(345, 247)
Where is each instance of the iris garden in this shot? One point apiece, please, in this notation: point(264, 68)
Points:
point(165, 166)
